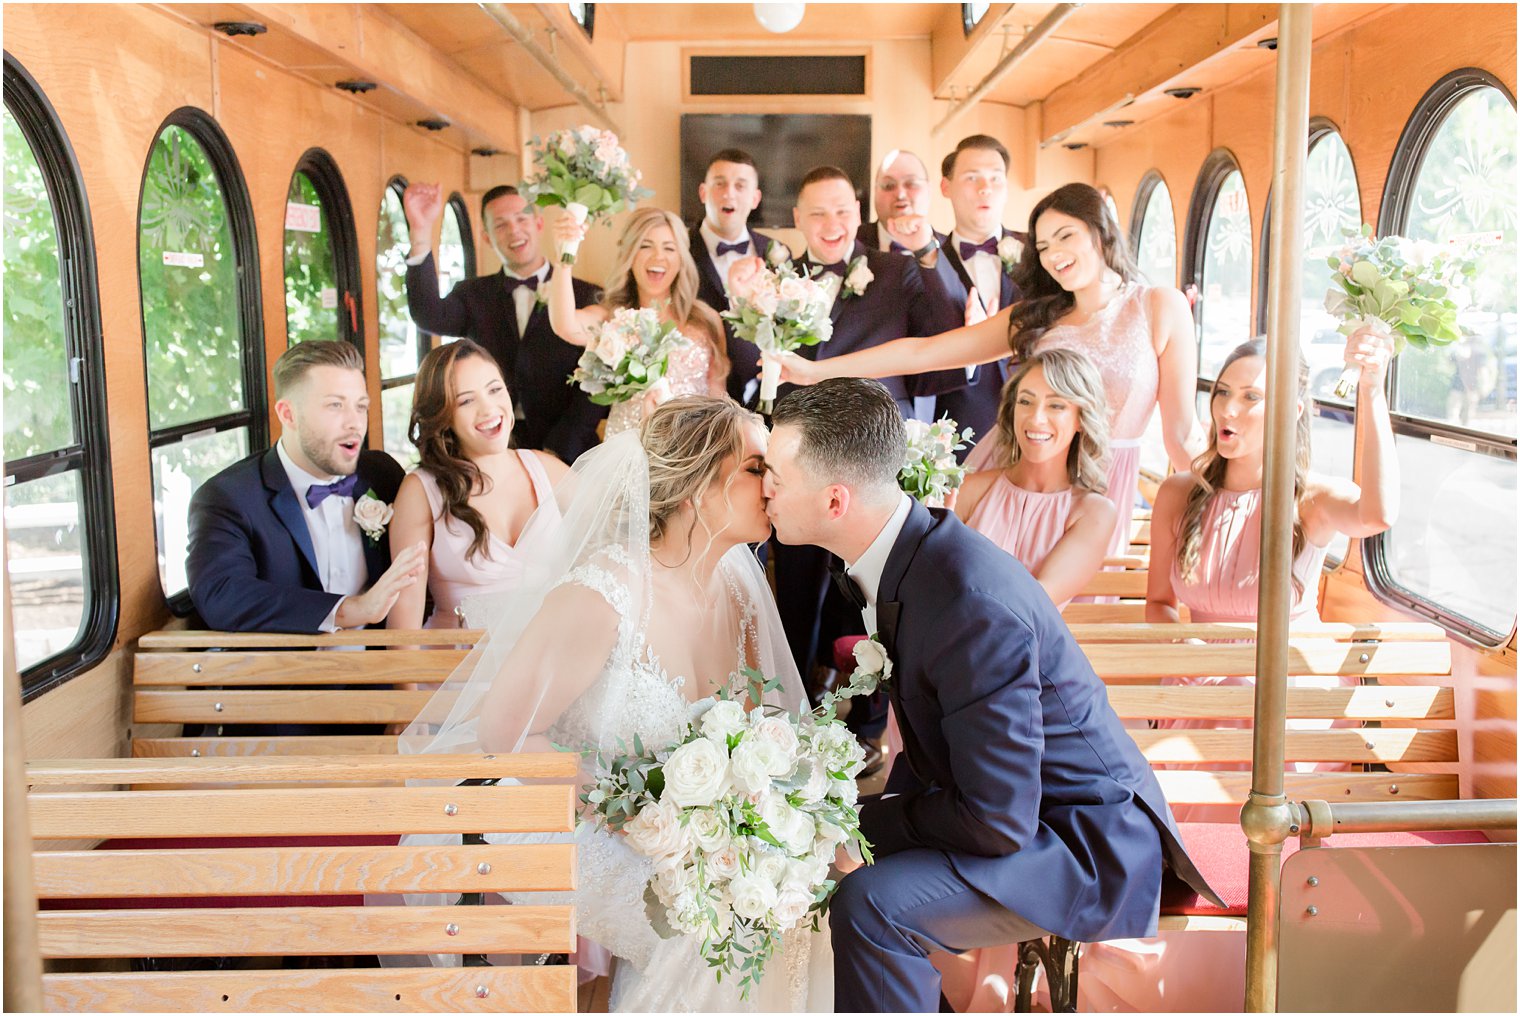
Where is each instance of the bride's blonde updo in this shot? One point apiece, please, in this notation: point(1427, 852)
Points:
point(687, 440)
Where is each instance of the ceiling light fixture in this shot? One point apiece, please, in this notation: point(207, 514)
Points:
point(780, 18)
point(1185, 92)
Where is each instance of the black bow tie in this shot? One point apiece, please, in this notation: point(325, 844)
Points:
point(319, 492)
point(847, 584)
point(838, 268)
point(896, 248)
point(531, 282)
point(987, 246)
point(742, 247)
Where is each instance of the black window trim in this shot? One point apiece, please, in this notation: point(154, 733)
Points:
point(1429, 115)
point(1221, 162)
point(1142, 204)
point(589, 25)
point(968, 24)
point(323, 172)
point(83, 339)
point(466, 233)
point(245, 247)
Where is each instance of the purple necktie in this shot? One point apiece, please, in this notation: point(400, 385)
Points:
point(987, 246)
point(742, 247)
point(319, 492)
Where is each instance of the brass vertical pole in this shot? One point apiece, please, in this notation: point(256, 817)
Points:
point(23, 966)
point(1268, 818)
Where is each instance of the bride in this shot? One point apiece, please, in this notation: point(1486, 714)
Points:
point(643, 600)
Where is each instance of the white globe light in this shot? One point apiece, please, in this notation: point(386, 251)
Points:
point(779, 18)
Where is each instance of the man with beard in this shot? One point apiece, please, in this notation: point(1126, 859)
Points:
point(292, 539)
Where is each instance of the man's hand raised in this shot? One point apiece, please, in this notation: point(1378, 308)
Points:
point(423, 203)
point(371, 606)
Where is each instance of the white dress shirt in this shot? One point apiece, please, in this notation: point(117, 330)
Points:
point(986, 271)
point(726, 261)
point(867, 569)
point(523, 298)
point(335, 537)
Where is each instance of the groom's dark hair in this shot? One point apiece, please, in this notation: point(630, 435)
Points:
point(852, 431)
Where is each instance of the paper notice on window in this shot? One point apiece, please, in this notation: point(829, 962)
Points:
point(1484, 239)
point(184, 259)
point(329, 298)
point(303, 218)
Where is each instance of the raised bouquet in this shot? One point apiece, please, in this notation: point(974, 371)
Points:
point(586, 172)
point(930, 472)
point(741, 817)
point(626, 355)
point(780, 310)
point(1411, 290)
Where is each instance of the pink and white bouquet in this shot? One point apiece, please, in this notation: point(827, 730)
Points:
point(586, 172)
point(780, 310)
point(1411, 290)
point(741, 817)
point(626, 355)
point(930, 471)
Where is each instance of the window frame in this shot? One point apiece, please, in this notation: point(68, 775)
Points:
point(1319, 128)
point(466, 232)
point(1429, 115)
point(589, 25)
point(1144, 192)
point(1221, 162)
point(968, 23)
point(83, 344)
point(323, 172)
point(397, 184)
point(245, 249)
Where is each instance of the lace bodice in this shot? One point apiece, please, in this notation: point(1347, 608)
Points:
point(687, 375)
point(1118, 341)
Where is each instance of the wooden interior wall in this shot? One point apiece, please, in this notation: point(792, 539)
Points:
point(113, 73)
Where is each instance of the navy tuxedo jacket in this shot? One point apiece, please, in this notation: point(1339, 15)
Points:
point(557, 417)
point(252, 565)
point(900, 300)
point(1014, 763)
point(743, 357)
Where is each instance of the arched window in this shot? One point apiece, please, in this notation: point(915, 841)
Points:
point(1153, 231)
point(585, 16)
point(198, 271)
point(972, 15)
point(456, 246)
point(402, 344)
point(321, 270)
point(1218, 260)
point(60, 533)
point(1451, 554)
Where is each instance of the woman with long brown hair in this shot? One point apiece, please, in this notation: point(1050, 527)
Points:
point(473, 494)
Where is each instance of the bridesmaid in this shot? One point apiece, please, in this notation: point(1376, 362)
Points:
point(473, 496)
point(654, 268)
point(1046, 507)
point(1080, 292)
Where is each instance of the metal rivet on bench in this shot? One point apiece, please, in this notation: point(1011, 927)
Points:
point(195, 667)
point(1363, 658)
point(451, 929)
point(217, 707)
point(1394, 789)
point(1312, 911)
point(1388, 702)
point(481, 991)
point(1313, 881)
point(453, 809)
point(1368, 744)
point(483, 868)
point(1293, 829)
point(195, 753)
point(491, 758)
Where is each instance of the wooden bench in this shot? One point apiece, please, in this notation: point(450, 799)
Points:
point(290, 891)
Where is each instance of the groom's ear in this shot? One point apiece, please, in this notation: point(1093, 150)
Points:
point(839, 501)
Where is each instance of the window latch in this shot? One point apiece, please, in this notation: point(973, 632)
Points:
point(76, 369)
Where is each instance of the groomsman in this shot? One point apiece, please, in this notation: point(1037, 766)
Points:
point(901, 203)
point(503, 312)
point(729, 193)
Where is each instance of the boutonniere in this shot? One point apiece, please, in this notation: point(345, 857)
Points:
point(778, 254)
point(857, 278)
point(372, 515)
point(541, 296)
point(1008, 253)
point(873, 667)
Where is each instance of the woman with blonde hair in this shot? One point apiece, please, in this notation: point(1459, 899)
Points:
point(1046, 504)
point(654, 268)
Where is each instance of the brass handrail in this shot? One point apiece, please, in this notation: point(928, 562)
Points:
point(1322, 818)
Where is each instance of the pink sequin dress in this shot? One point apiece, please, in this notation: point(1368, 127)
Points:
point(453, 574)
point(687, 375)
point(1118, 341)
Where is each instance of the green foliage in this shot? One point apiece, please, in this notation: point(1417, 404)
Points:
point(310, 267)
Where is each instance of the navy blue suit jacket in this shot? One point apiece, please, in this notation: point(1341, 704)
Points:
point(252, 566)
point(743, 357)
point(557, 417)
point(1014, 763)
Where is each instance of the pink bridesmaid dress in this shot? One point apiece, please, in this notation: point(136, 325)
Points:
point(453, 574)
point(1118, 341)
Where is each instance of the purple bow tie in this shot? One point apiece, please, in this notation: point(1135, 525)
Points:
point(319, 492)
point(838, 268)
point(531, 282)
point(987, 246)
point(742, 247)
point(896, 248)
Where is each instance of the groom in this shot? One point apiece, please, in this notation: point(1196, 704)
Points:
point(1020, 808)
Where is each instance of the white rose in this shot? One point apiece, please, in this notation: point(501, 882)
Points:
point(791, 906)
point(696, 774)
point(778, 253)
point(778, 730)
point(753, 896)
point(829, 837)
point(859, 276)
point(766, 300)
point(372, 515)
point(870, 656)
point(795, 290)
point(845, 791)
point(836, 746)
point(709, 830)
point(792, 827)
point(725, 718)
point(656, 831)
point(724, 863)
point(1008, 249)
point(817, 785)
point(768, 863)
point(756, 762)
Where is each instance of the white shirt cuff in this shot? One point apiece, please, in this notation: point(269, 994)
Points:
point(417, 259)
point(330, 622)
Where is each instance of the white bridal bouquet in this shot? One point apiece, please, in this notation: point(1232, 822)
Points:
point(780, 310)
point(627, 354)
point(586, 172)
point(930, 472)
point(1409, 289)
point(741, 817)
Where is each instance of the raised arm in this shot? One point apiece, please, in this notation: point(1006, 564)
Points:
point(1371, 505)
point(1177, 362)
point(1078, 555)
point(441, 315)
point(568, 322)
point(411, 524)
point(1160, 599)
point(982, 342)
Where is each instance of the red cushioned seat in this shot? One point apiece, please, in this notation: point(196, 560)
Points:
point(844, 654)
point(221, 902)
point(1219, 849)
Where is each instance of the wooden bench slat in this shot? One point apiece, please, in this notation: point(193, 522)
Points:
point(261, 668)
point(285, 769)
point(304, 931)
point(301, 870)
point(1150, 662)
point(1384, 702)
point(338, 811)
point(274, 640)
point(1183, 786)
point(1378, 631)
point(413, 989)
point(1388, 744)
point(247, 746)
point(295, 705)
point(1107, 613)
point(1129, 583)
